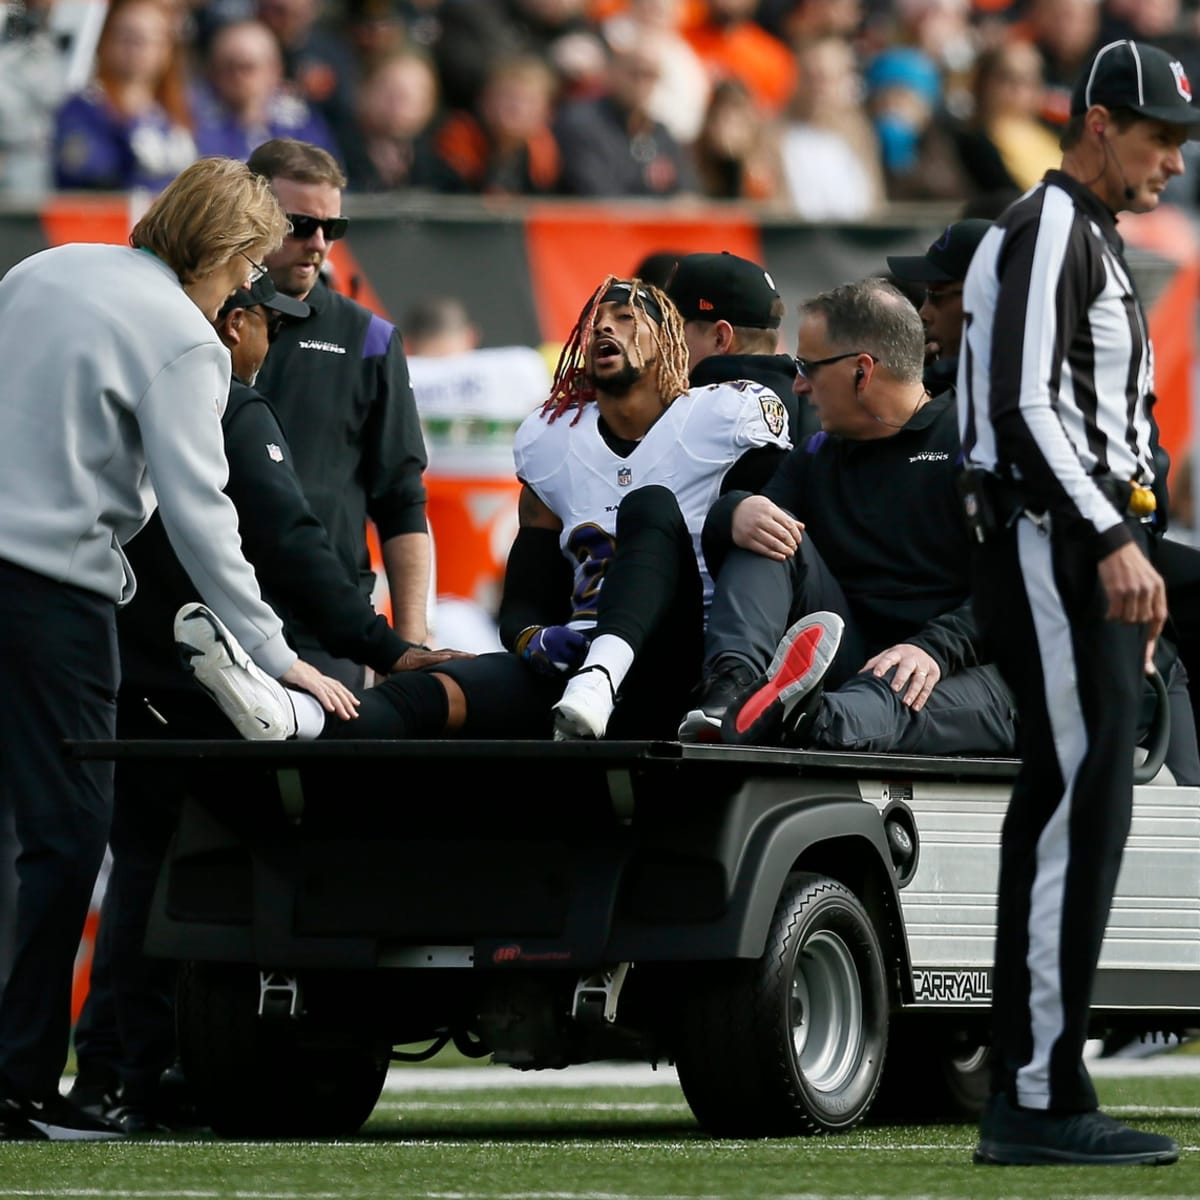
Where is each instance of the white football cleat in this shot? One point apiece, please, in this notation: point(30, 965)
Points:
point(259, 706)
point(585, 707)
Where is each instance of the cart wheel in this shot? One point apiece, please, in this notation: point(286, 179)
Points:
point(793, 1042)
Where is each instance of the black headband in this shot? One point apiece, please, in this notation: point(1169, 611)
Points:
point(619, 293)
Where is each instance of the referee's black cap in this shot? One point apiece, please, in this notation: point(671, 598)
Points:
point(947, 259)
point(1142, 78)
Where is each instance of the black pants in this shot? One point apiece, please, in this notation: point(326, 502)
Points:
point(8, 890)
point(58, 679)
point(652, 596)
point(126, 1031)
point(757, 598)
point(1077, 678)
point(1179, 565)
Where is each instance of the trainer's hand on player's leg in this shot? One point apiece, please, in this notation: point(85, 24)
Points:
point(416, 657)
point(333, 696)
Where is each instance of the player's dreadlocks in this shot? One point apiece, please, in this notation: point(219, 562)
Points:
point(573, 388)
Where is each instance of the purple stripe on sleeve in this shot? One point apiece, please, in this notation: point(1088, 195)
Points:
point(379, 334)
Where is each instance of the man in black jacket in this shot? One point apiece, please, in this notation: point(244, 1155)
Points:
point(339, 383)
point(875, 491)
point(731, 316)
point(124, 1039)
point(939, 273)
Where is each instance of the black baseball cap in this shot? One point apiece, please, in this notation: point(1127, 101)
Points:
point(723, 287)
point(1139, 77)
point(262, 291)
point(947, 259)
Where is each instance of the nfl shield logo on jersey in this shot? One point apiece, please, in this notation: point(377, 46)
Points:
point(274, 453)
point(624, 476)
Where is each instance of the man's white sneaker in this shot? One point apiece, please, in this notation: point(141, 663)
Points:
point(259, 706)
point(585, 707)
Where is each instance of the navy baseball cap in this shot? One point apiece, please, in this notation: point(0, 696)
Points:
point(947, 259)
point(1139, 77)
point(262, 291)
point(724, 287)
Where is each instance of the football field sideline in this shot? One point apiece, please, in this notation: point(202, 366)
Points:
point(587, 1075)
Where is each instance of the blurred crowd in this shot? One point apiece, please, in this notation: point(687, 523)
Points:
point(825, 109)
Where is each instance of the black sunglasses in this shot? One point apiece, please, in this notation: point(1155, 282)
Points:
point(808, 366)
point(304, 226)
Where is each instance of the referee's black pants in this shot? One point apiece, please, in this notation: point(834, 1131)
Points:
point(1077, 678)
point(58, 679)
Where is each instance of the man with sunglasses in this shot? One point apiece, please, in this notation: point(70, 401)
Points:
point(339, 382)
point(124, 1034)
point(862, 520)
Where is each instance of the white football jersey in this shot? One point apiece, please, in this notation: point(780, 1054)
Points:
point(688, 449)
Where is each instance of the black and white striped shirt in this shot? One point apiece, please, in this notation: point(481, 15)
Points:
point(1056, 368)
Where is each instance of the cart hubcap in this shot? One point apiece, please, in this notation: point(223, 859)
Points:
point(827, 1012)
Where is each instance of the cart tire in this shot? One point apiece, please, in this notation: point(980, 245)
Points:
point(279, 1077)
point(793, 1042)
point(935, 1072)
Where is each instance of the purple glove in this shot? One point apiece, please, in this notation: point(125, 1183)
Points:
point(553, 649)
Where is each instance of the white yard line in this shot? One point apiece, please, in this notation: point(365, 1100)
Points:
point(588, 1075)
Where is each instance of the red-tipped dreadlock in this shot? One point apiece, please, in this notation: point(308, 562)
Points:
point(572, 386)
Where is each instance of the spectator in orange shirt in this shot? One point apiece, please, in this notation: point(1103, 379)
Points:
point(1066, 34)
point(732, 43)
point(505, 147)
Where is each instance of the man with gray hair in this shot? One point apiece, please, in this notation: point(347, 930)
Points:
point(892, 637)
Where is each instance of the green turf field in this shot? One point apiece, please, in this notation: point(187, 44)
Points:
point(523, 1139)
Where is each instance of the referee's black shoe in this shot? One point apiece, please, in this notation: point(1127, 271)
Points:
point(1010, 1136)
point(54, 1119)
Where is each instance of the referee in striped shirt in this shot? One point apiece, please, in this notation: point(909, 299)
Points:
point(1055, 381)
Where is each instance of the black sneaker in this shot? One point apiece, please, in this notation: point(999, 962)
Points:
point(175, 1105)
point(93, 1092)
point(54, 1119)
point(712, 697)
point(1029, 1137)
point(133, 1119)
point(14, 1127)
point(772, 710)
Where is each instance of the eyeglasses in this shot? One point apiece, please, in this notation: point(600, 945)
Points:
point(257, 270)
point(941, 295)
point(272, 319)
point(808, 366)
point(304, 226)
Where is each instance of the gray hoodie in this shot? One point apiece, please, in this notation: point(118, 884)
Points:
point(112, 385)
